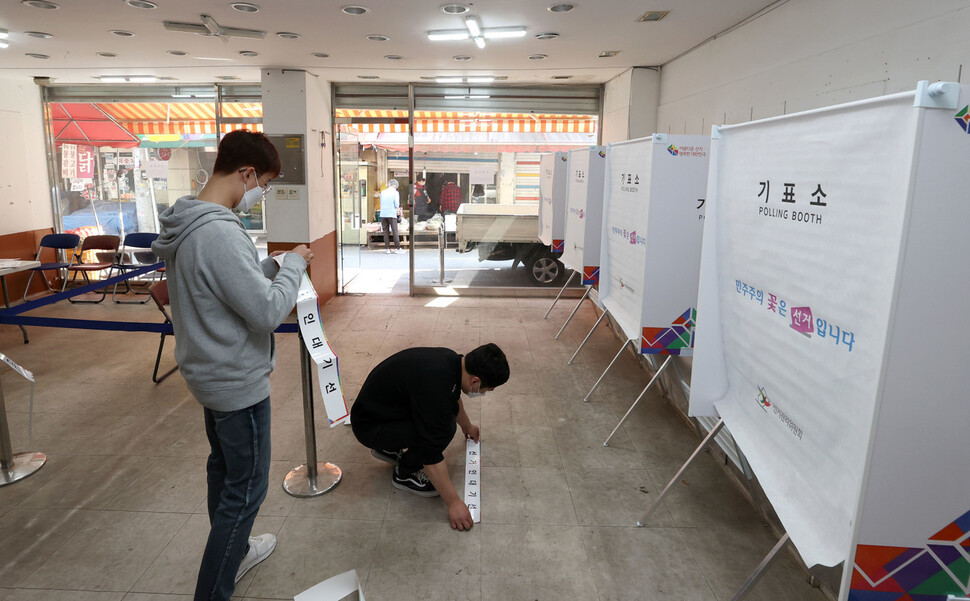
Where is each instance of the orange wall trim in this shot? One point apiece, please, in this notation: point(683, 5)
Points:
point(323, 268)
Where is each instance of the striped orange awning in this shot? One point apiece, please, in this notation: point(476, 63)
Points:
point(461, 122)
point(148, 118)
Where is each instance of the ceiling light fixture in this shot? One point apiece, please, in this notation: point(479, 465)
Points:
point(474, 28)
point(212, 58)
point(652, 15)
point(287, 35)
point(547, 36)
point(468, 97)
point(321, 55)
point(245, 7)
point(141, 4)
point(127, 78)
point(248, 53)
point(442, 35)
point(537, 57)
point(394, 57)
point(34, 34)
point(227, 77)
point(4, 44)
point(4, 34)
point(454, 9)
point(112, 79)
point(354, 10)
point(121, 33)
point(562, 76)
point(368, 77)
point(40, 4)
point(177, 52)
point(142, 78)
point(504, 32)
point(479, 41)
point(479, 79)
point(607, 54)
point(378, 37)
point(37, 55)
point(462, 58)
point(563, 7)
point(107, 54)
point(448, 79)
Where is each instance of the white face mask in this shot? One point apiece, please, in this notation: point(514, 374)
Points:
point(477, 393)
point(250, 199)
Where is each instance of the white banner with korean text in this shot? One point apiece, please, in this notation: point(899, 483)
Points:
point(552, 199)
point(315, 340)
point(584, 212)
point(800, 254)
point(653, 219)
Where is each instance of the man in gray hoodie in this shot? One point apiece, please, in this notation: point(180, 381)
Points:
point(225, 306)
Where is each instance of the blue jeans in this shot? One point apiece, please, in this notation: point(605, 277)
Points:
point(238, 476)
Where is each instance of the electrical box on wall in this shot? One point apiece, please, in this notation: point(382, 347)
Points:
point(292, 151)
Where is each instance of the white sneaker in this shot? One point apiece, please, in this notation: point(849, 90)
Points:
point(388, 251)
point(400, 251)
point(259, 549)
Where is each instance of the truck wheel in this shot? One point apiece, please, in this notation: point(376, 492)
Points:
point(545, 270)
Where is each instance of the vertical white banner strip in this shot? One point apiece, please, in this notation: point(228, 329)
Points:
point(473, 473)
point(315, 340)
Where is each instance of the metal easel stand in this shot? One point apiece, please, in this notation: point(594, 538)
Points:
point(564, 286)
point(15, 466)
point(578, 305)
point(690, 460)
point(759, 571)
point(605, 371)
point(655, 377)
point(585, 340)
point(312, 478)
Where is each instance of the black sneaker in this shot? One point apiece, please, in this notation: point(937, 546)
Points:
point(391, 457)
point(417, 483)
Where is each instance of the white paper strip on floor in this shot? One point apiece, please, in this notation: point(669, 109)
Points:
point(315, 339)
point(339, 588)
point(20, 370)
point(473, 472)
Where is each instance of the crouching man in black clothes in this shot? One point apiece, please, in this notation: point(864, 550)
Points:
point(408, 409)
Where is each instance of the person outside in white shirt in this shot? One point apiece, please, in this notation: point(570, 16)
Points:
point(390, 211)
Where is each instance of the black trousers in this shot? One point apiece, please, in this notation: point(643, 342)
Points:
point(390, 223)
point(394, 436)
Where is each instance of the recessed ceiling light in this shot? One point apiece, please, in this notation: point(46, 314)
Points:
point(462, 57)
point(378, 37)
point(607, 54)
point(652, 15)
point(245, 7)
point(454, 9)
point(394, 57)
point(354, 10)
point(367, 77)
point(248, 53)
point(481, 79)
point(36, 55)
point(321, 55)
point(108, 54)
point(448, 79)
point(288, 35)
point(141, 4)
point(40, 4)
point(547, 36)
point(142, 78)
point(537, 57)
point(122, 33)
point(4, 34)
point(443, 35)
point(177, 52)
point(112, 79)
point(4, 44)
point(37, 34)
point(563, 7)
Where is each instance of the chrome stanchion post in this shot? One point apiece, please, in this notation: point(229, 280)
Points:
point(17, 466)
point(569, 279)
point(606, 443)
point(312, 478)
point(442, 240)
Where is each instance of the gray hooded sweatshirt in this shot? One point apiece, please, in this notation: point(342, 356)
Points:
point(225, 303)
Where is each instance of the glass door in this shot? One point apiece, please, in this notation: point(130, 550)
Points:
point(350, 235)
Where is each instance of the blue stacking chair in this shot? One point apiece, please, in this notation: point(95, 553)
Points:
point(139, 258)
point(57, 242)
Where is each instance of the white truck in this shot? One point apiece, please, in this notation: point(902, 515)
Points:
point(509, 232)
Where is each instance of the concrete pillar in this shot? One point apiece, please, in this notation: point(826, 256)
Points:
point(630, 104)
point(296, 102)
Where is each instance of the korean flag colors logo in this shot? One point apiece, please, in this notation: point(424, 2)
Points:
point(963, 119)
point(672, 149)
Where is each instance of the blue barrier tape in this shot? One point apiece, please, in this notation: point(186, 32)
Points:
point(47, 300)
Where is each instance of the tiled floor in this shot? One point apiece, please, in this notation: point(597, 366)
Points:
point(118, 512)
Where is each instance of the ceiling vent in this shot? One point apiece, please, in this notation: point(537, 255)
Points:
point(652, 15)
